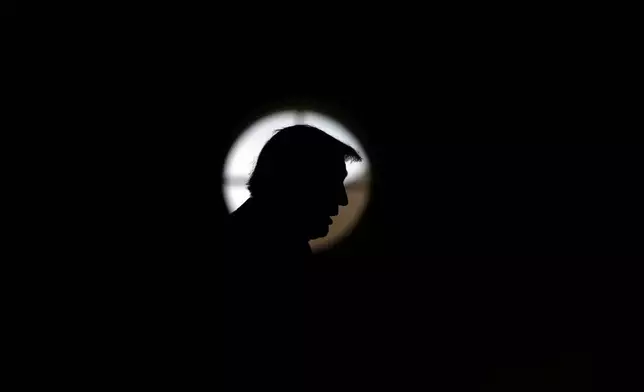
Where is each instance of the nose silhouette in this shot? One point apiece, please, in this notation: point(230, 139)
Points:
point(343, 199)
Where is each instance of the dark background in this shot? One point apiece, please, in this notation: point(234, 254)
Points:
point(500, 248)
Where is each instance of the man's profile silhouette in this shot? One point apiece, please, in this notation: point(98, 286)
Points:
point(296, 187)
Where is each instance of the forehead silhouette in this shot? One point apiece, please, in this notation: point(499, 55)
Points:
point(300, 153)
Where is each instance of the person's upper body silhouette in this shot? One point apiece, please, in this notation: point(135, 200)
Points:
point(296, 187)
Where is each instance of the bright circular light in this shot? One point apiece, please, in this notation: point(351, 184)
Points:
point(243, 154)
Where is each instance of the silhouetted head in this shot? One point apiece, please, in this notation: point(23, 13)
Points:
point(300, 172)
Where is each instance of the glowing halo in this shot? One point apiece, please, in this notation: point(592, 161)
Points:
point(244, 151)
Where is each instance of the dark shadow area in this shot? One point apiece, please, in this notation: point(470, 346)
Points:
point(8, 8)
point(499, 251)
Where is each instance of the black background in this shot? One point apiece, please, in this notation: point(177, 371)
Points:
point(499, 245)
point(499, 250)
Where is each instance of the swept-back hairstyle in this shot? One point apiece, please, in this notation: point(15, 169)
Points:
point(295, 151)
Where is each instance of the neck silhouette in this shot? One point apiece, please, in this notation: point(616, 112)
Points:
point(268, 227)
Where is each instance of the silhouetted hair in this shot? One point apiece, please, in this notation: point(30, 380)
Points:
point(296, 151)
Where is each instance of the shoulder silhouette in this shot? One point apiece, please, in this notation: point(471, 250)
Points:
point(297, 185)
